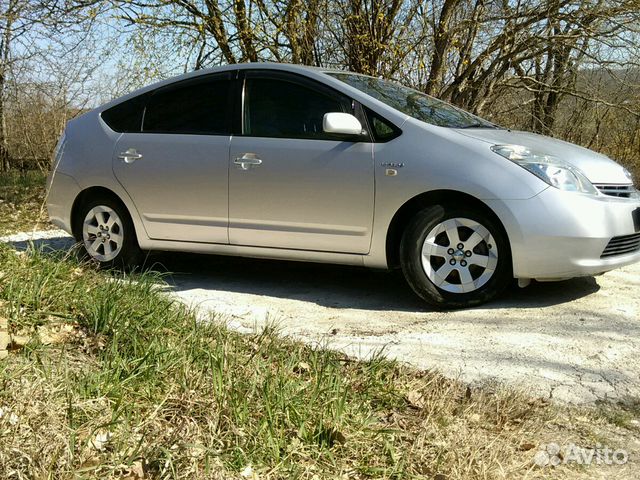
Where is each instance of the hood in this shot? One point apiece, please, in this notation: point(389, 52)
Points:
point(597, 167)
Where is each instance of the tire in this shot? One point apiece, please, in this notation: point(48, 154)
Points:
point(446, 276)
point(105, 230)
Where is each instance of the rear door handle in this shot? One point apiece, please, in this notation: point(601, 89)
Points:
point(248, 160)
point(130, 155)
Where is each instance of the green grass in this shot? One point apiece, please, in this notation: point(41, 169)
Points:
point(24, 180)
point(625, 416)
point(22, 201)
point(103, 354)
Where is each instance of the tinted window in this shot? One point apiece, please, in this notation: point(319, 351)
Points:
point(382, 129)
point(126, 116)
point(412, 102)
point(279, 108)
point(194, 107)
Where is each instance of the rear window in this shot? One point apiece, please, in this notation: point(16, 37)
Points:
point(126, 117)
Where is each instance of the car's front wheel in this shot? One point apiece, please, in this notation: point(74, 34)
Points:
point(455, 257)
point(107, 233)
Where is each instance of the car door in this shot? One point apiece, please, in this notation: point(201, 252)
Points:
point(176, 168)
point(290, 184)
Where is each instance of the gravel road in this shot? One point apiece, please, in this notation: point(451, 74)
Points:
point(576, 341)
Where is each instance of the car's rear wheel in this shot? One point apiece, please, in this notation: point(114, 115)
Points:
point(455, 257)
point(107, 233)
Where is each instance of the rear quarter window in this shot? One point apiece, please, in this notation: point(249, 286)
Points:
point(126, 117)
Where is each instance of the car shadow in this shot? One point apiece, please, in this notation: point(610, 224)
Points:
point(327, 285)
point(338, 286)
point(52, 245)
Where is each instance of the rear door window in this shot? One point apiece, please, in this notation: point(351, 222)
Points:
point(199, 107)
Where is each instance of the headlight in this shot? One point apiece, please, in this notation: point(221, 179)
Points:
point(552, 170)
point(628, 174)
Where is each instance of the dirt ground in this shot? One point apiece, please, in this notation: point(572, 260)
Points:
point(575, 341)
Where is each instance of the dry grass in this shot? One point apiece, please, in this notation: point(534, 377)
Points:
point(112, 379)
point(21, 202)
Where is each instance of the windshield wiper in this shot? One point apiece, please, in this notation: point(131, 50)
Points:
point(479, 125)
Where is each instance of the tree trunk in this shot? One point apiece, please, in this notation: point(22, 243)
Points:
point(5, 46)
point(249, 53)
point(442, 43)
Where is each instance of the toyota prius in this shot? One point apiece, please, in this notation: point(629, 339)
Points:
point(299, 163)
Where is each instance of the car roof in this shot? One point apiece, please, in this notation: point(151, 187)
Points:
point(318, 73)
point(287, 67)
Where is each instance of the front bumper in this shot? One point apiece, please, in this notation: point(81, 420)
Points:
point(62, 191)
point(557, 235)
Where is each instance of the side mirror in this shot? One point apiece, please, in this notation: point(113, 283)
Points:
point(341, 124)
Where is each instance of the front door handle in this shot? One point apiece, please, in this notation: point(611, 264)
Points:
point(130, 155)
point(248, 160)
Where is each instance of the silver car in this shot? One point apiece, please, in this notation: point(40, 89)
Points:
point(299, 163)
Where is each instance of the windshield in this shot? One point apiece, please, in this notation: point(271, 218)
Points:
point(412, 102)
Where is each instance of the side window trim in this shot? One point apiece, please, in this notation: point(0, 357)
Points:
point(237, 94)
point(144, 109)
point(298, 79)
point(360, 113)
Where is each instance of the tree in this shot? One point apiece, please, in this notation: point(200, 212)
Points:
point(47, 56)
point(16, 18)
point(559, 67)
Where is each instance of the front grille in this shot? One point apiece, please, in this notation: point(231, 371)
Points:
point(622, 191)
point(622, 245)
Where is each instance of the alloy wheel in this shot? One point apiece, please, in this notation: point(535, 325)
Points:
point(459, 255)
point(102, 233)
